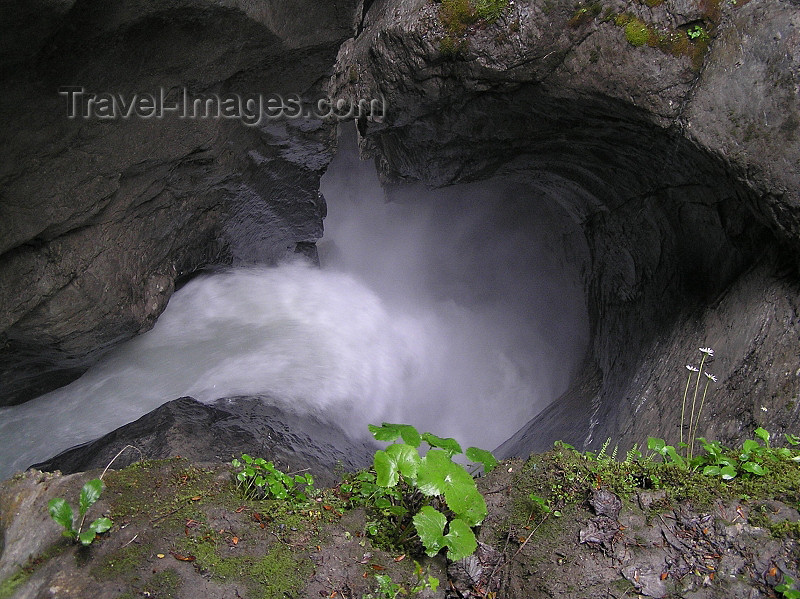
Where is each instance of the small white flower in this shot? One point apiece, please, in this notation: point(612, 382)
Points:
point(711, 377)
point(707, 350)
point(763, 408)
point(692, 368)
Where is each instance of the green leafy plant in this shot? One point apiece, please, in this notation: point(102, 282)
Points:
point(436, 477)
point(543, 505)
point(257, 478)
point(361, 489)
point(667, 452)
point(62, 513)
point(785, 588)
point(388, 589)
point(751, 459)
point(697, 33)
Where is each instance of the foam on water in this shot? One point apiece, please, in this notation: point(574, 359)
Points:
point(455, 313)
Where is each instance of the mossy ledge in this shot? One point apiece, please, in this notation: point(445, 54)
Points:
point(182, 529)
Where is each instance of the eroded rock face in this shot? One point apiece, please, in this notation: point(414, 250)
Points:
point(98, 218)
point(690, 221)
point(219, 432)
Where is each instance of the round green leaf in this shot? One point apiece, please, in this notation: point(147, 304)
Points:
point(390, 432)
point(406, 459)
point(470, 506)
point(449, 444)
point(750, 446)
point(430, 525)
point(460, 540)
point(433, 470)
point(762, 434)
point(728, 472)
point(382, 503)
point(386, 469)
point(101, 525)
point(86, 537)
point(462, 496)
point(754, 468)
point(482, 456)
point(278, 490)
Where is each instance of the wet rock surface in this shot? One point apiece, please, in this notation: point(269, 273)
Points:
point(220, 432)
point(182, 530)
point(100, 217)
point(689, 219)
point(676, 162)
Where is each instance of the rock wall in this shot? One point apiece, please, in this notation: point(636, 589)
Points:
point(676, 155)
point(100, 217)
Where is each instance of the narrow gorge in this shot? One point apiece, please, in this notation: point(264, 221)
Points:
point(549, 208)
point(667, 177)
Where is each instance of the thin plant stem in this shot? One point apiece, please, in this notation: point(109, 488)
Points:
point(114, 459)
point(690, 449)
point(683, 406)
point(699, 411)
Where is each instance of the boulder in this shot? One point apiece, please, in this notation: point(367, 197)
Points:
point(666, 131)
point(220, 432)
point(99, 217)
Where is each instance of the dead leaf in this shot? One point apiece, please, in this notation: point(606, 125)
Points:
point(664, 575)
point(183, 558)
point(377, 567)
point(235, 540)
point(239, 510)
point(400, 558)
point(197, 498)
point(160, 555)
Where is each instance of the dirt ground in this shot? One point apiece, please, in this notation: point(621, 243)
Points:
point(182, 531)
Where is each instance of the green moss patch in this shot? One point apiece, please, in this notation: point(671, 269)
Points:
point(10, 585)
point(168, 492)
point(585, 13)
point(637, 33)
point(458, 16)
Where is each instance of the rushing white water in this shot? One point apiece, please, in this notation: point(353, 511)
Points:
point(451, 313)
